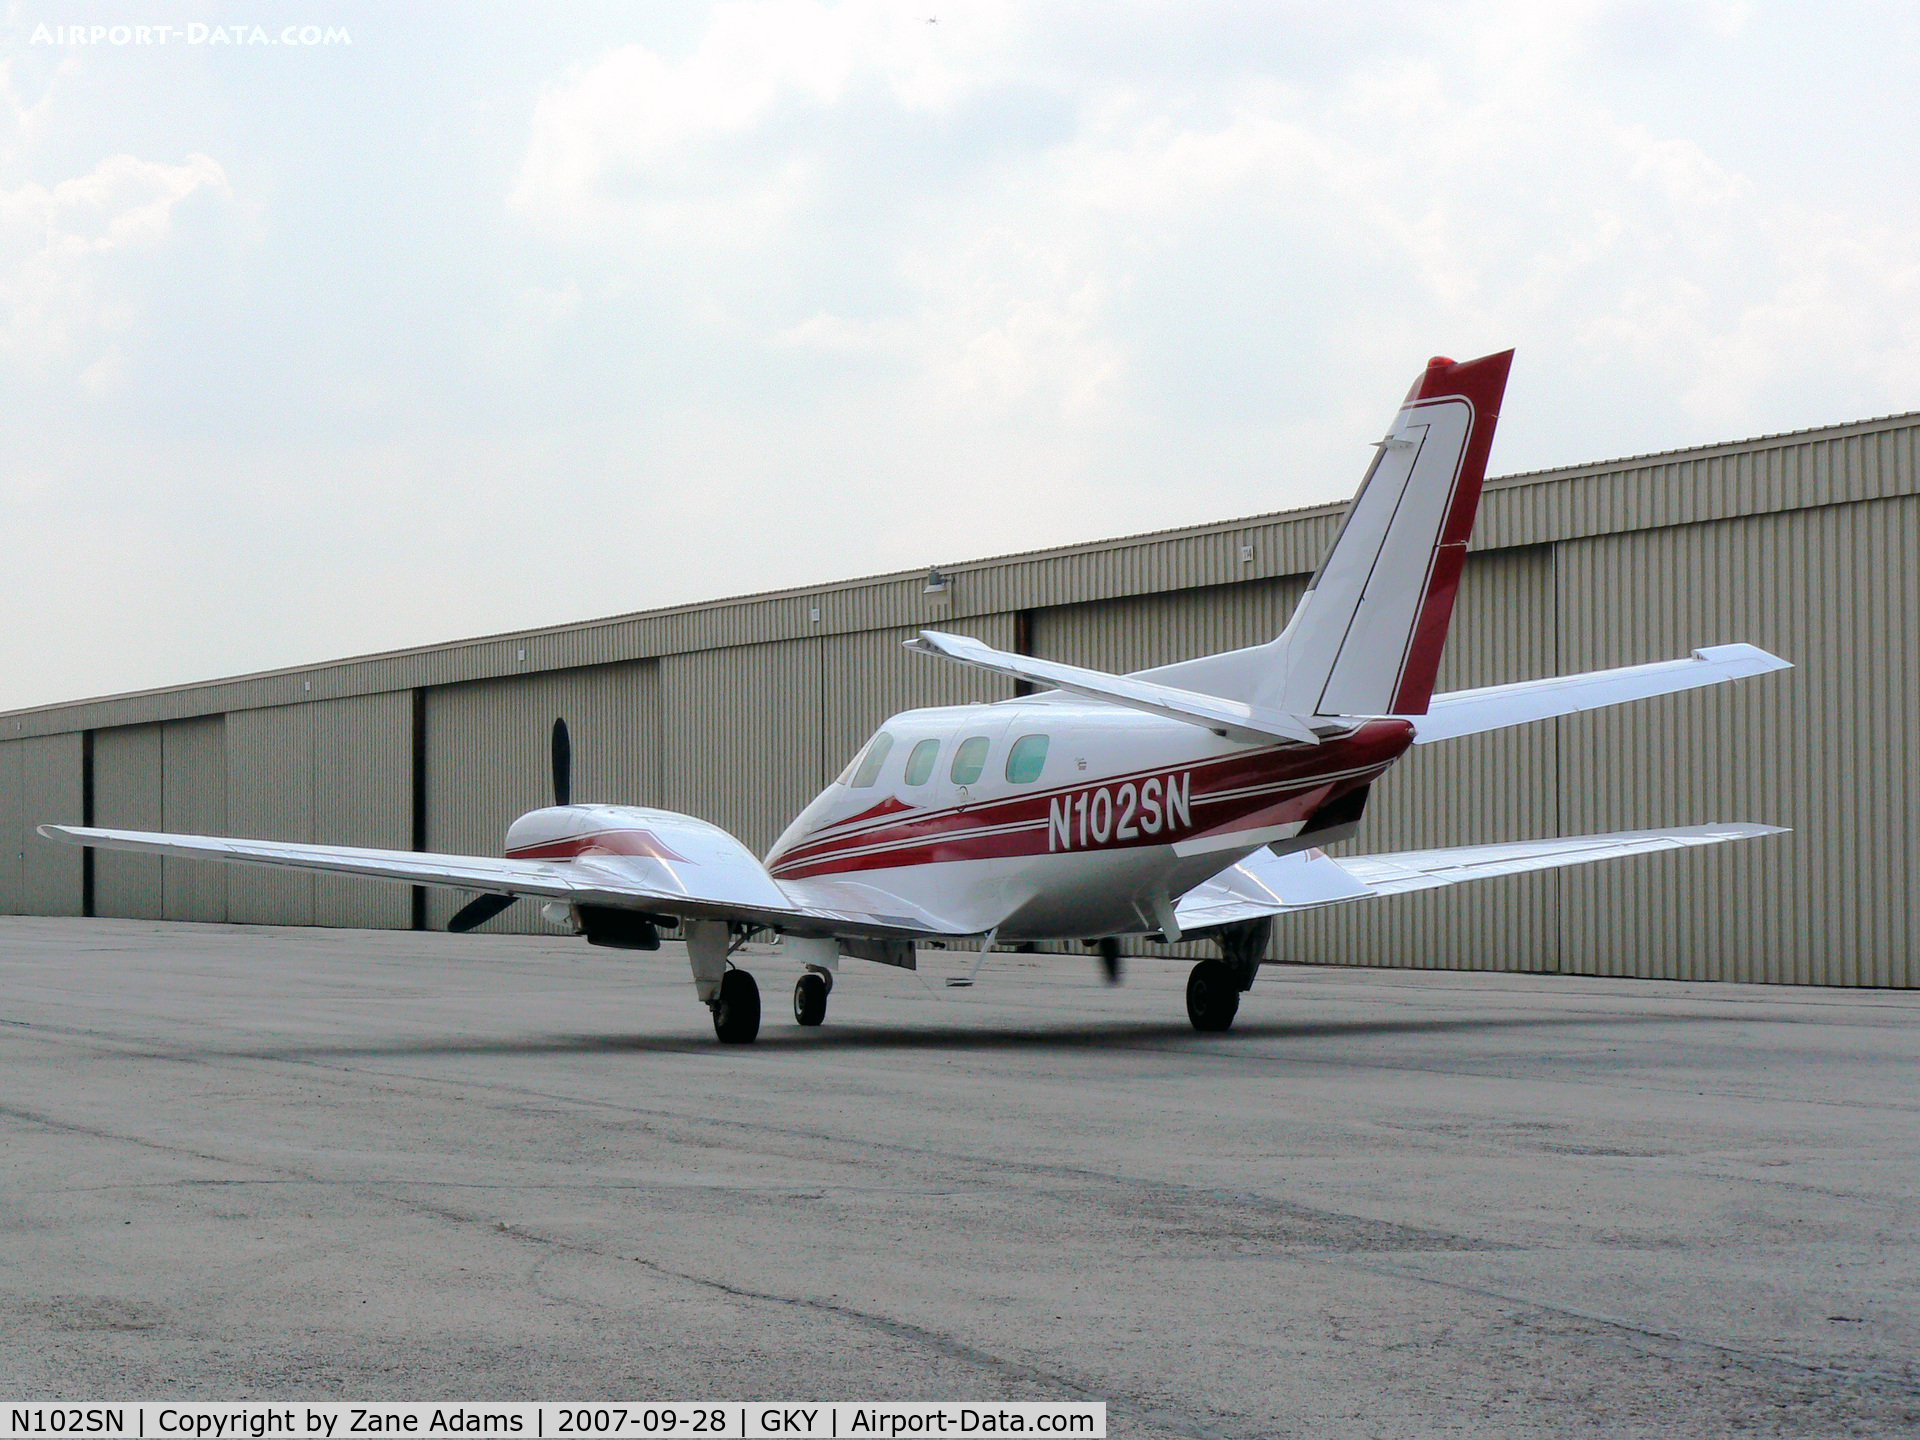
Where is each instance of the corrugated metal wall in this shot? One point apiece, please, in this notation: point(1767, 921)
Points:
point(337, 771)
point(363, 795)
point(270, 797)
point(13, 829)
point(865, 678)
point(1474, 790)
point(1141, 631)
point(194, 800)
point(1829, 748)
point(127, 796)
point(51, 792)
point(744, 742)
point(488, 759)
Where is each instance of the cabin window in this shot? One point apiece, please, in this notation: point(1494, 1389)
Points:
point(1026, 759)
point(871, 762)
point(969, 760)
point(920, 762)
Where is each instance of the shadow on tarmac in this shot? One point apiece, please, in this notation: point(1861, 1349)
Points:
point(787, 1039)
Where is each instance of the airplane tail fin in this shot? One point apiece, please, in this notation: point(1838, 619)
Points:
point(1366, 637)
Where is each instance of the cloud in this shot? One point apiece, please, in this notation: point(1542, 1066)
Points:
point(59, 249)
point(1472, 180)
point(638, 142)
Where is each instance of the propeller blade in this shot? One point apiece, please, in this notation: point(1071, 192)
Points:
point(562, 764)
point(1110, 959)
point(478, 911)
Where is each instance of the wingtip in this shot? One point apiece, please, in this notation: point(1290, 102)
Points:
point(1752, 659)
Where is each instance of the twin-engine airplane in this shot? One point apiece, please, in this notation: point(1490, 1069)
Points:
point(1194, 799)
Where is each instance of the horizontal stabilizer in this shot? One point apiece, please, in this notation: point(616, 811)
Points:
point(1468, 712)
point(1232, 718)
point(1269, 884)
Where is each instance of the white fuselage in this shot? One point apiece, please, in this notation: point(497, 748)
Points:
point(1048, 818)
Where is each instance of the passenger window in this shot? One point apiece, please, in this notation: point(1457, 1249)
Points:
point(920, 762)
point(1026, 759)
point(969, 760)
point(876, 756)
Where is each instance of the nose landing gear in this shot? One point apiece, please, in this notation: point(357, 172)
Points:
point(810, 993)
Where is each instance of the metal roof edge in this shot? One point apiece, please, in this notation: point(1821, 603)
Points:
point(1776, 440)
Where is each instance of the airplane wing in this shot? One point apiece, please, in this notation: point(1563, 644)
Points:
point(1269, 884)
point(721, 888)
point(1467, 712)
point(1232, 718)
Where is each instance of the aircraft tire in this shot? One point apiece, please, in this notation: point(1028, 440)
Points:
point(1213, 996)
point(810, 999)
point(736, 1009)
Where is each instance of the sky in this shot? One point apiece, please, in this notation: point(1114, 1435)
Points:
point(328, 329)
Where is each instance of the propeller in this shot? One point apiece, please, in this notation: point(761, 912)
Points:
point(1110, 959)
point(562, 764)
point(478, 911)
point(483, 908)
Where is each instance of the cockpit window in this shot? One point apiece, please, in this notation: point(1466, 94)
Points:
point(1026, 759)
point(920, 762)
point(969, 760)
point(871, 762)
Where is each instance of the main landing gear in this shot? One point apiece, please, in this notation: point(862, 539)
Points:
point(736, 1009)
point(810, 993)
point(1215, 986)
point(1213, 996)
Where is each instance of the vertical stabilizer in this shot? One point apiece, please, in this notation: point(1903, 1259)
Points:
point(1366, 637)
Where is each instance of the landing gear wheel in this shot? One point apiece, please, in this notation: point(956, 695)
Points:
point(1213, 996)
point(736, 1009)
point(810, 999)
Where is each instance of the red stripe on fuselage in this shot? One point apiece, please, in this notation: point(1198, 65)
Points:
point(1231, 787)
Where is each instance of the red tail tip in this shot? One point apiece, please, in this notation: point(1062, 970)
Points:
point(1439, 360)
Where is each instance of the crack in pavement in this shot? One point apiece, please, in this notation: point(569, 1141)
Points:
point(906, 1330)
point(1901, 1384)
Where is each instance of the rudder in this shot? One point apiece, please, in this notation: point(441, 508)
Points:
point(1367, 636)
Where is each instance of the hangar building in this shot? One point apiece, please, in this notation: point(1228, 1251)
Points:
point(740, 710)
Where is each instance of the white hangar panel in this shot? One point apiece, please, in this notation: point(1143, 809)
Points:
point(127, 796)
point(487, 749)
